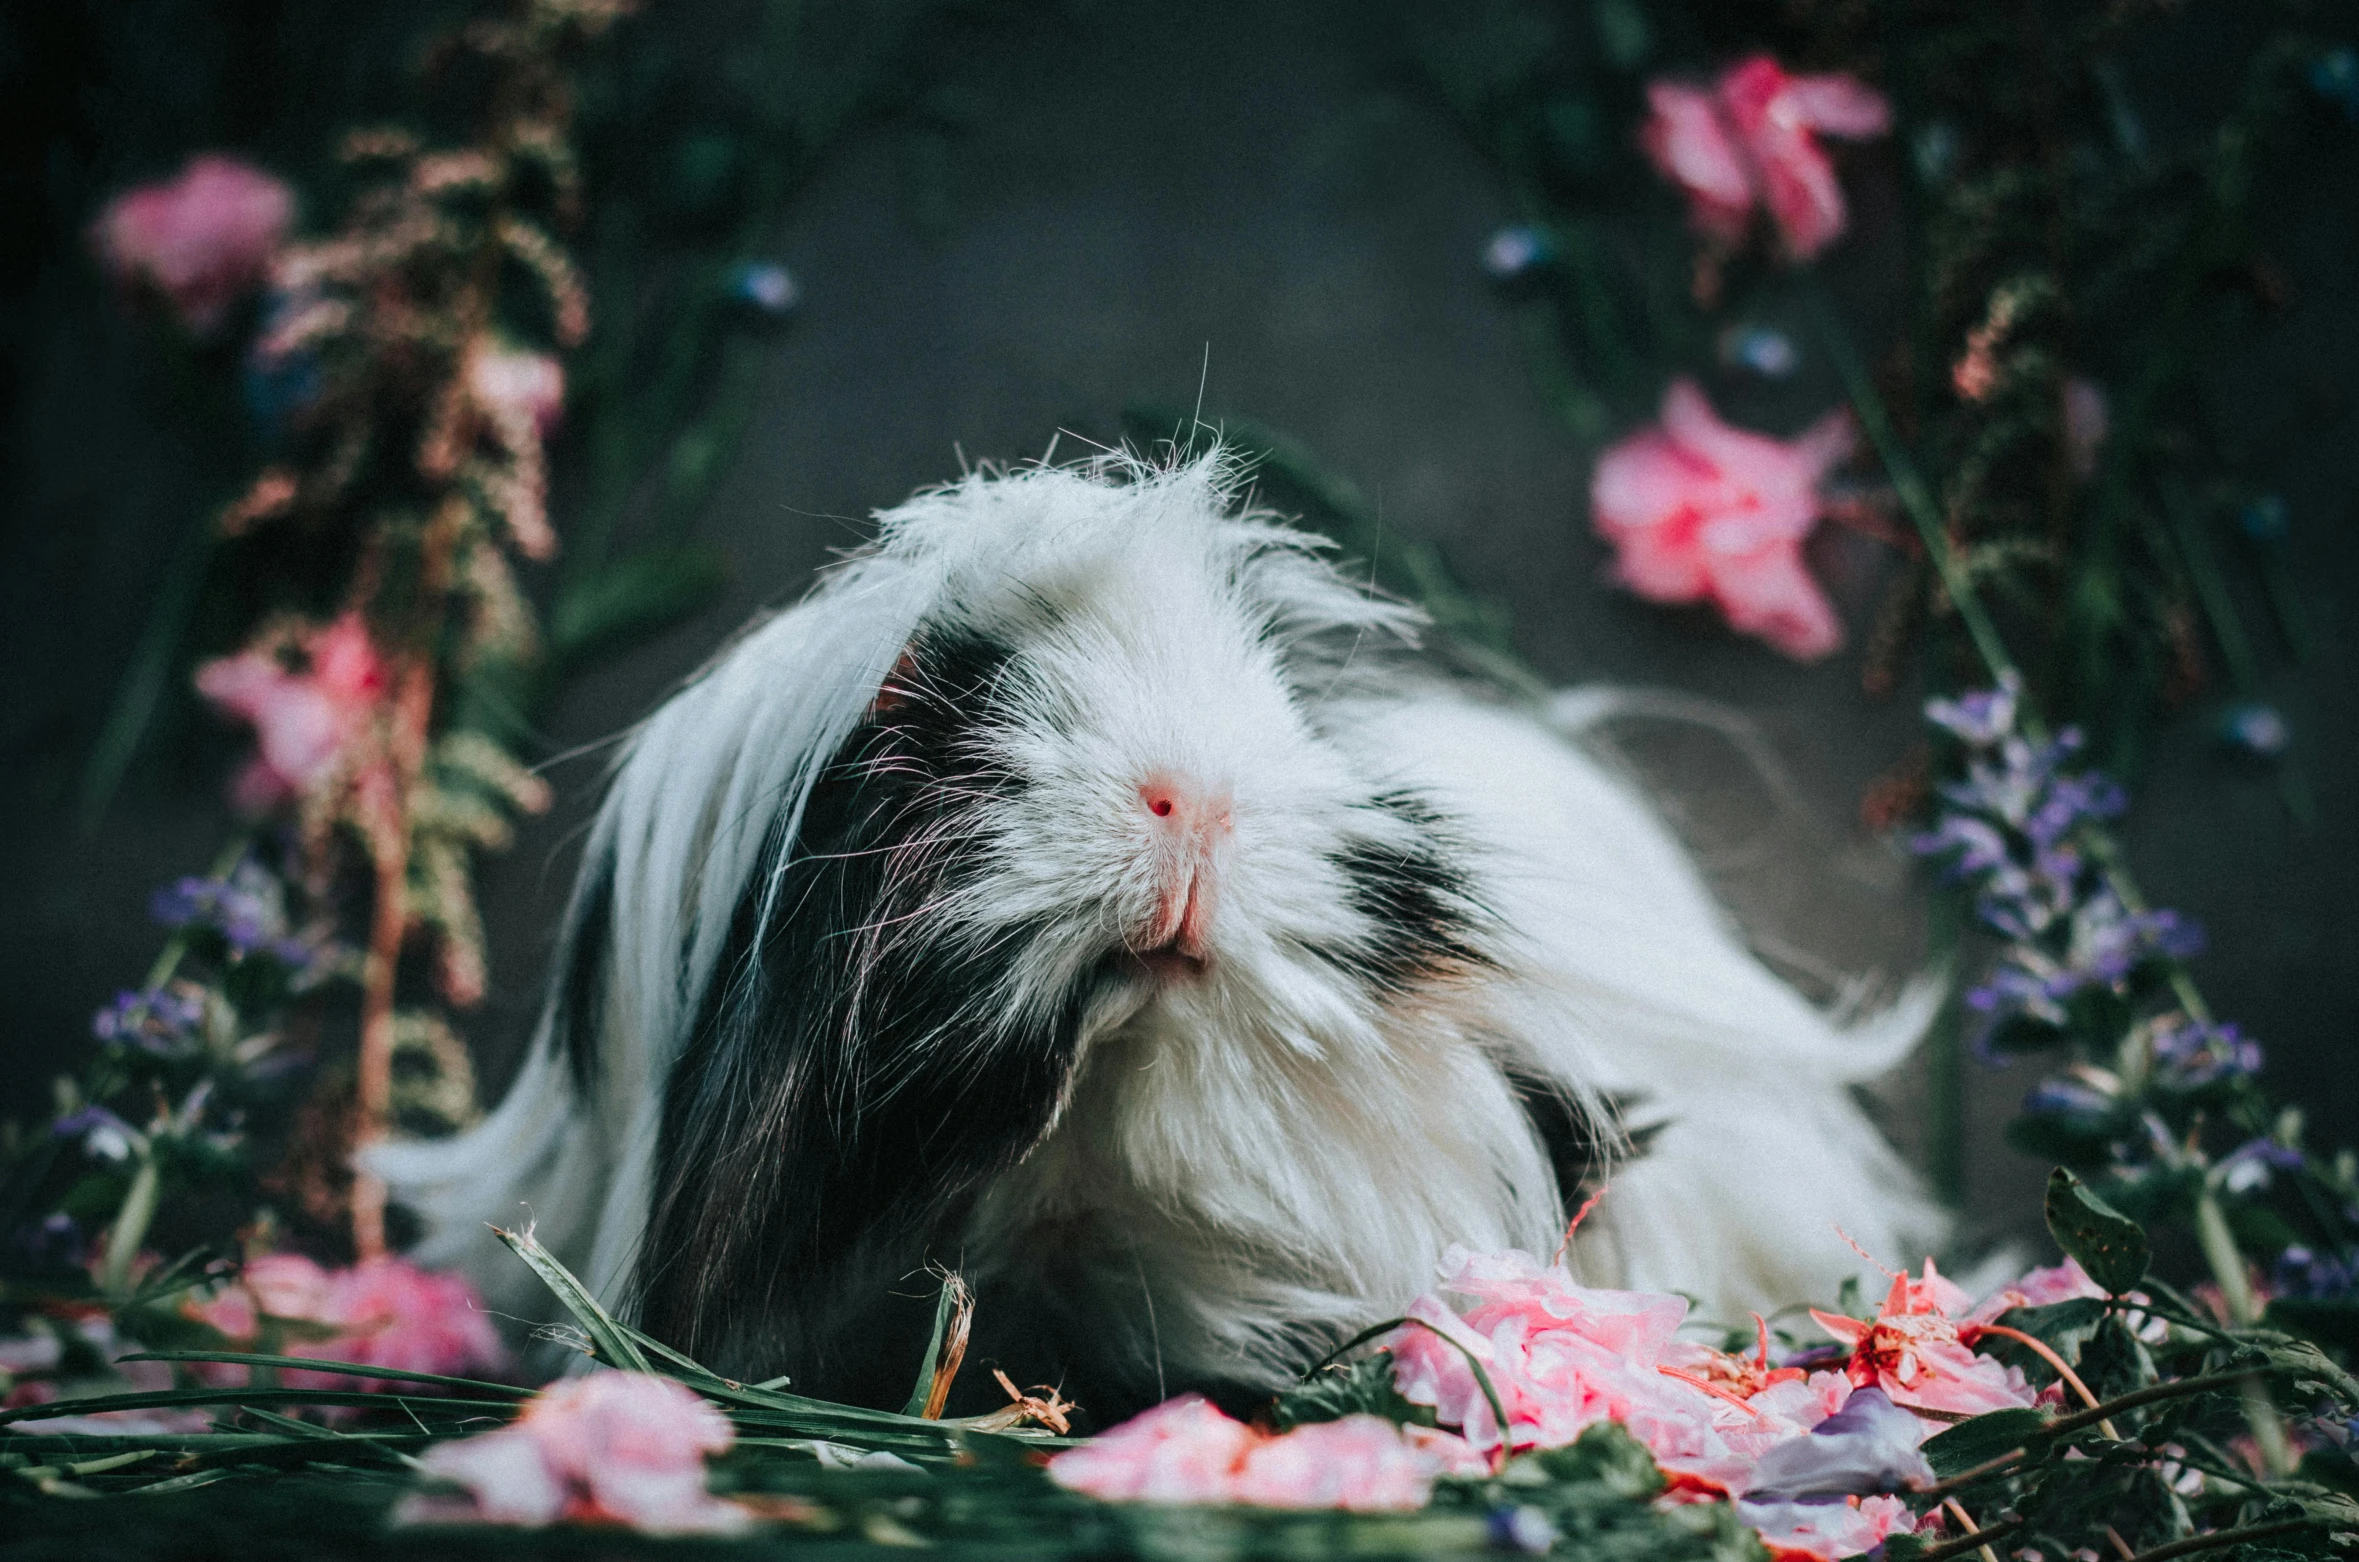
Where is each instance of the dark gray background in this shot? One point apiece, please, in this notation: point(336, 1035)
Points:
point(1228, 199)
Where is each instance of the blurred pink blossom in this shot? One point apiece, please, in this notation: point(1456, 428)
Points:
point(1751, 139)
point(1698, 510)
point(513, 383)
point(384, 1313)
point(203, 240)
point(1186, 1450)
point(612, 1447)
point(305, 722)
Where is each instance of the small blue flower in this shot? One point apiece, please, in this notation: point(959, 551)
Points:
point(100, 1133)
point(2320, 1277)
point(764, 287)
point(1516, 252)
point(2256, 729)
point(1761, 349)
point(2254, 1164)
point(53, 1242)
point(2070, 1097)
point(1979, 719)
point(1523, 1528)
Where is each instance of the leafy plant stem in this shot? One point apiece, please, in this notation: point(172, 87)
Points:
point(131, 1223)
point(2219, 1539)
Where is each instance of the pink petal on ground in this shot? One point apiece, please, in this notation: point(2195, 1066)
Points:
point(1183, 1450)
point(506, 1477)
point(1360, 1462)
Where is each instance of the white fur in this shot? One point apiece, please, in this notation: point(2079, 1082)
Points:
point(1273, 1143)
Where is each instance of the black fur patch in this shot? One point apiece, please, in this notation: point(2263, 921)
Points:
point(851, 1080)
point(581, 980)
point(1417, 898)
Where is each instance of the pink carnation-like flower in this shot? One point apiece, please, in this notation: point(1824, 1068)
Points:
point(1751, 140)
point(386, 1313)
point(611, 1447)
point(304, 722)
point(1186, 1450)
point(1697, 510)
point(1914, 1352)
point(203, 240)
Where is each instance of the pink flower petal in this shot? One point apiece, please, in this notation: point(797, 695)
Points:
point(1687, 141)
point(203, 240)
point(1359, 1462)
point(1183, 1450)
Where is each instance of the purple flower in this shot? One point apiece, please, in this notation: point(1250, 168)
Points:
point(2190, 1056)
point(247, 909)
point(2067, 1096)
point(161, 1021)
point(2320, 1277)
point(2069, 801)
point(100, 1132)
point(1516, 252)
point(1980, 845)
point(1979, 719)
point(1870, 1445)
point(2254, 1164)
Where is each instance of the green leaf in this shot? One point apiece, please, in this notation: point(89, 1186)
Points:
point(1982, 1439)
point(2109, 1245)
point(614, 1347)
point(1363, 1387)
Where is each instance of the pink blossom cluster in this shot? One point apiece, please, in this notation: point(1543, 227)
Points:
point(1188, 1450)
point(1810, 1458)
point(1750, 140)
point(610, 1447)
point(381, 1312)
point(202, 241)
point(309, 696)
point(1700, 511)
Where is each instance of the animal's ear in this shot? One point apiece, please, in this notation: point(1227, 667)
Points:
point(899, 687)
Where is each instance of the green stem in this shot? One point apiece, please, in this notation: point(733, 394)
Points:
point(131, 1223)
point(2227, 1263)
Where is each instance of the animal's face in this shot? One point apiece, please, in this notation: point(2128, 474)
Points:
point(1139, 804)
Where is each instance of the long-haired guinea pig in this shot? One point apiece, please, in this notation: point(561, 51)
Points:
point(1086, 889)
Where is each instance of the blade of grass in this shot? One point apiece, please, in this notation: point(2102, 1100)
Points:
point(613, 1344)
point(351, 1369)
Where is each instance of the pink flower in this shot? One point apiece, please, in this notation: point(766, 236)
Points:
point(386, 1313)
point(1359, 1462)
point(1751, 140)
point(612, 1447)
point(510, 383)
point(1827, 1530)
point(202, 240)
point(305, 722)
point(1914, 1352)
point(1186, 1450)
point(2065, 1282)
point(1697, 510)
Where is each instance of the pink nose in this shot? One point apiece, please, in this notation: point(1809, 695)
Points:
point(1188, 824)
point(1184, 808)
